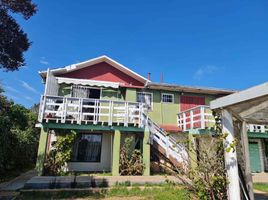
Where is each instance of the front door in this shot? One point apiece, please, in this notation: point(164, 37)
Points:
point(254, 153)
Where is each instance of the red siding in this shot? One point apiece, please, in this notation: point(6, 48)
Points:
point(188, 102)
point(103, 72)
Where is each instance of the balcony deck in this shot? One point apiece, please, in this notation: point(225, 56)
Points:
point(201, 117)
point(70, 110)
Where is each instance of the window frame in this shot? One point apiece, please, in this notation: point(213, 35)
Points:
point(162, 94)
point(87, 87)
point(99, 161)
point(152, 99)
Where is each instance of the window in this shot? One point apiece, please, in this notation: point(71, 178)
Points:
point(87, 148)
point(85, 92)
point(146, 98)
point(167, 98)
point(80, 91)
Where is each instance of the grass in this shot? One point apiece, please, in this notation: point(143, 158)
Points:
point(166, 192)
point(261, 186)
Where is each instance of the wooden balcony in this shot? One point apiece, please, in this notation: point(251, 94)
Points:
point(201, 117)
point(58, 109)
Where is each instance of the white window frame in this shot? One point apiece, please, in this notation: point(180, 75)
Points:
point(162, 94)
point(152, 98)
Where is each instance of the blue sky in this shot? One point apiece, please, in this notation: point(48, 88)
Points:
point(198, 43)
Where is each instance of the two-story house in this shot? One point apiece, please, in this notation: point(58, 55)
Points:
point(105, 102)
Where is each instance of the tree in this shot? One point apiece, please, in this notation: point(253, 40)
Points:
point(18, 137)
point(14, 42)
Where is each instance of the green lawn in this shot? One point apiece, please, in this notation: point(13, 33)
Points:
point(119, 192)
point(261, 186)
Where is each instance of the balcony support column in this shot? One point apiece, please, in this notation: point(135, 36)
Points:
point(116, 153)
point(233, 189)
point(248, 175)
point(146, 152)
point(192, 151)
point(41, 155)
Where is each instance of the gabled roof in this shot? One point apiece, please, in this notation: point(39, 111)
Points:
point(91, 62)
point(190, 89)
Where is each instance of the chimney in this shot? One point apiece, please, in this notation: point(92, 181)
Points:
point(149, 76)
point(162, 78)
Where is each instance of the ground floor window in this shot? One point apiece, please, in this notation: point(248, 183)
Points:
point(87, 148)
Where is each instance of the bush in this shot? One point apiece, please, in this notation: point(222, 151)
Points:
point(130, 160)
point(60, 153)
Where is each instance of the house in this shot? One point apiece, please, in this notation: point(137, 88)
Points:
point(105, 102)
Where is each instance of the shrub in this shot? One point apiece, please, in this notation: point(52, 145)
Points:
point(130, 160)
point(60, 154)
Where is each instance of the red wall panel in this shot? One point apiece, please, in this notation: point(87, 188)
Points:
point(103, 72)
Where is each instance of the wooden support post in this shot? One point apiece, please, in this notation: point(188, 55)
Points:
point(245, 146)
point(41, 155)
point(233, 188)
point(116, 153)
point(146, 152)
point(202, 114)
point(192, 151)
point(184, 121)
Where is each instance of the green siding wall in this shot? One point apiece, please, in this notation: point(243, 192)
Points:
point(166, 113)
point(65, 90)
point(162, 113)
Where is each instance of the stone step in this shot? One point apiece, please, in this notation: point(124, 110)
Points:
point(56, 182)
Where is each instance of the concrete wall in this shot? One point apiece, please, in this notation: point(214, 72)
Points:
point(104, 165)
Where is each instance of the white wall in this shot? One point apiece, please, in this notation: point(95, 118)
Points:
point(104, 165)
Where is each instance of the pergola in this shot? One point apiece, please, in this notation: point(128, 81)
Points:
point(249, 106)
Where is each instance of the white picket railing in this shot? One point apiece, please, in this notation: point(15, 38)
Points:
point(198, 117)
point(83, 111)
point(258, 128)
point(201, 117)
point(168, 143)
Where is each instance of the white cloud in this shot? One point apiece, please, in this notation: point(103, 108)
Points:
point(208, 70)
point(11, 89)
point(28, 87)
point(44, 61)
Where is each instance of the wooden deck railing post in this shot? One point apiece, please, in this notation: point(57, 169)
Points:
point(191, 119)
point(184, 121)
point(202, 114)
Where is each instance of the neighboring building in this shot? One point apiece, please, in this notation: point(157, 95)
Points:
point(105, 102)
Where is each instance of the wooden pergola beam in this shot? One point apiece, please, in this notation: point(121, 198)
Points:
point(254, 109)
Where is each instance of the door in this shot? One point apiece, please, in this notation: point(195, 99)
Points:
point(254, 154)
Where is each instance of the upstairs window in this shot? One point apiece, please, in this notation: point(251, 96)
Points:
point(146, 98)
point(167, 98)
point(80, 91)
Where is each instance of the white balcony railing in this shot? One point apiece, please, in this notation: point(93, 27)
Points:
point(198, 117)
point(201, 117)
point(89, 111)
point(257, 128)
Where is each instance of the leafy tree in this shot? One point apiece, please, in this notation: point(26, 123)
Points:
point(18, 137)
point(14, 42)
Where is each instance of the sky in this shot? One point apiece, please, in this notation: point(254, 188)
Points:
point(208, 43)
